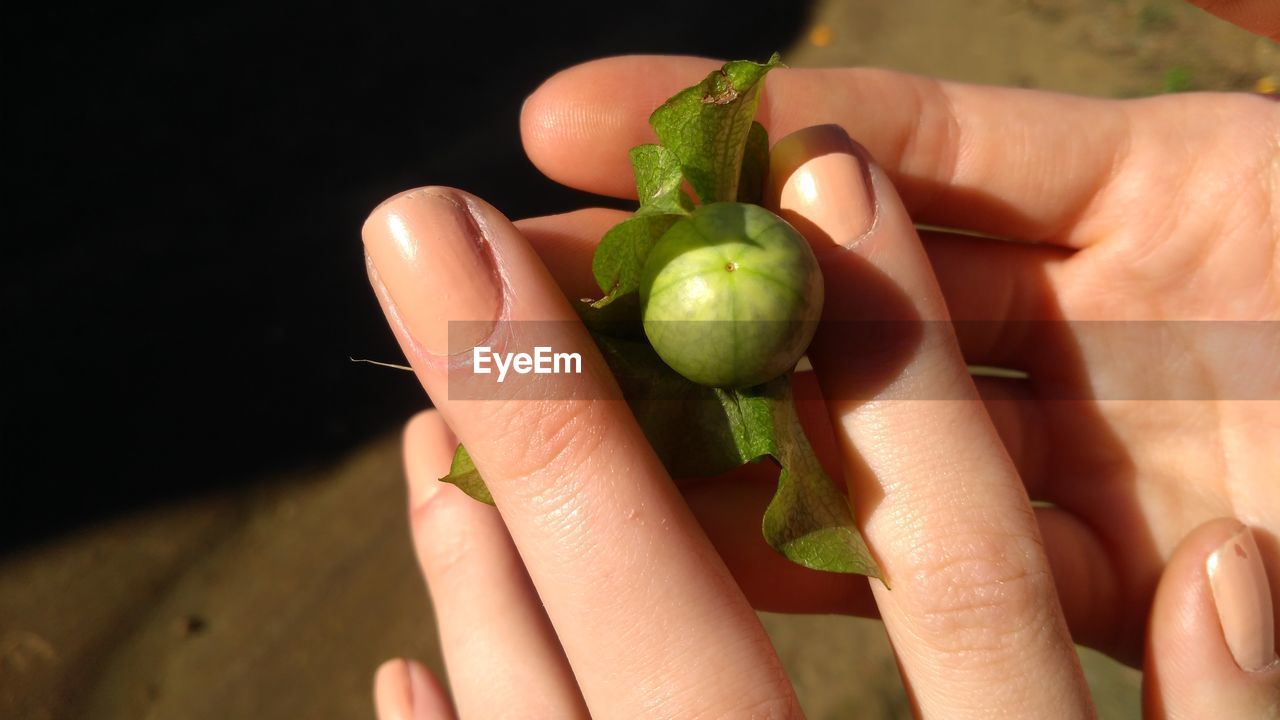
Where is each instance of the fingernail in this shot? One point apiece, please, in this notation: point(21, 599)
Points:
point(393, 691)
point(435, 266)
point(420, 689)
point(825, 183)
point(1243, 598)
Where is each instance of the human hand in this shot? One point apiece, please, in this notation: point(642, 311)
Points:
point(1161, 209)
point(592, 511)
point(648, 617)
point(560, 237)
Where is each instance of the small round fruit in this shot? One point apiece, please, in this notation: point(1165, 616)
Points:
point(731, 296)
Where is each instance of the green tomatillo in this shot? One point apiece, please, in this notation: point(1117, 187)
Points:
point(731, 295)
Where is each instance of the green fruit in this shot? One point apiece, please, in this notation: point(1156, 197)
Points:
point(731, 296)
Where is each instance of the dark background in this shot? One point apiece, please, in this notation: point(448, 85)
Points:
point(184, 188)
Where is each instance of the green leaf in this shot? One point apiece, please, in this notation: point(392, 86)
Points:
point(463, 473)
point(809, 520)
point(619, 259)
point(707, 125)
point(1178, 80)
point(755, 166)
point(658, 181)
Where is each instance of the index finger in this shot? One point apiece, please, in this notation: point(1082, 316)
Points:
point(1015, 163)
point(974, 616)
point(649, 617)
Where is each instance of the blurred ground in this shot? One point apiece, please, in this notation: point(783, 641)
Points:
point(1107, 48)
point(278, 601)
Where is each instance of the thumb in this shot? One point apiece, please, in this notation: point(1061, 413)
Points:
point(1211, 638)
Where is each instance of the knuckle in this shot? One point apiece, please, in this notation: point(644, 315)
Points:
point(554, 450)
point(980, 592)
point(934, 144)
point(549, 443)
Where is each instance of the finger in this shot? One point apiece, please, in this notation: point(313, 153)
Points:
point(1088, 587)
point(974, 616)
point(1009, 162)
point(497, 642)
point(405, 690)
point(1018, 419)
point(1002, 297)
point(648, 615)
point(1211, 638)
point(1259, 16)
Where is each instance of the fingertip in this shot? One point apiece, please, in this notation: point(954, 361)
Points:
point(430, 701)
point(1242, 597)
point(560, 121)
point(426, 425)
point(820, 181)
point(793, 150)
point(407, 690)
point(428, 445)
point(1190, 668)
point(392, 695)
point(577, 126)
